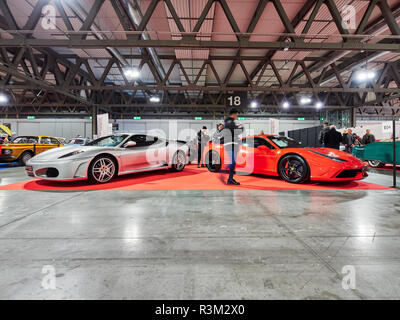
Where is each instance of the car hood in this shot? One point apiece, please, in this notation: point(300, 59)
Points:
point(333, 153)
point(56, 153)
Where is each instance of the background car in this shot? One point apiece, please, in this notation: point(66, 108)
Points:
point(105, 158)
point(288, 159)
point(23, 148)
point(79, 141)
point(378, 154)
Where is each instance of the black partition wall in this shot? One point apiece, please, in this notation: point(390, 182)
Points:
point(308, 136)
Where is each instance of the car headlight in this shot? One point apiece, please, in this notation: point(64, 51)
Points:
point(7, 151)
point(74, 153)
point(331, 156)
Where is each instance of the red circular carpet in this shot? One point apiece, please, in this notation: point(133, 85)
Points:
point(192, 178)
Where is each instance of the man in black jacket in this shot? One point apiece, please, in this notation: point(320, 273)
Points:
point(321, 137)
point(202, 140)
point(333, 138)
point(231, 134)
point(368, 138)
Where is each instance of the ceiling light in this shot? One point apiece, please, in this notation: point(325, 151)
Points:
point(154, 99)
point(364, 75)
point(254, 104)
point(131, 73)
point(319, 105)
point(285, 104)
point(3, 98)
point(305, 100)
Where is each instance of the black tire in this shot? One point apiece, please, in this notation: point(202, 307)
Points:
point(24, 157)
point(213, 161)
point(102, 169)
point(376, 163)
point(178, 161)
point(294, 169)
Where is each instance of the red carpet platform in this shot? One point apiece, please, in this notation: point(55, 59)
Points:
point(192, 178)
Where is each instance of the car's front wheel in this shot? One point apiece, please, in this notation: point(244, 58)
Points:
point(376, 164)
point(213, 161)
point(102, 169)
point(23, 159)
point(294, 169)
point(178, 161)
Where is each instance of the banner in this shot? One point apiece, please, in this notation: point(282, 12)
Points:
point(103, 129)
point(274, 126)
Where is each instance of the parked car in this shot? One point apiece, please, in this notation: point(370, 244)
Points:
point(105, 158)
point(79, 141)
point(23, 148)
point(288, 159)
point(378, 154)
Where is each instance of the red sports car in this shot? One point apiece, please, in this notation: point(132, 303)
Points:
point(287, 158)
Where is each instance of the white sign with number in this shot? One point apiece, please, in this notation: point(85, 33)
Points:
point(387, 127)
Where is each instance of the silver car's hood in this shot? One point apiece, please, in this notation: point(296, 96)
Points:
point(56, 153)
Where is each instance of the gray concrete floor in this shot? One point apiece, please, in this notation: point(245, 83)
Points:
point(199, 244)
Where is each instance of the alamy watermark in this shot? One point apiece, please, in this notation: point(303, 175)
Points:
point(349, 278)
point(49, 278)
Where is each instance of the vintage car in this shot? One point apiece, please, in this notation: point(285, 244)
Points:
point(105, 158)
point(288, 159)
point(22, 148)
point(378, 154)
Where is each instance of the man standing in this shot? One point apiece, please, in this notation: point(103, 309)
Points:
point(231, 142)
point(218, 137)
point(324, 130)
point(349, 141)
point(333, 138)
point(368, 138)
point(202, 140)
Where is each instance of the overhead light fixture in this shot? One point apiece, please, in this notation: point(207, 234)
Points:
point(285, 104)
point(3, 98)
point(287, 45)
point(365, 75)
point(254, 104)
point(155, 99)
point(305, 100)
point(131, 73)
point(319, 105)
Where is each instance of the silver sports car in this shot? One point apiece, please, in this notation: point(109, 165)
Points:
point(104, 158)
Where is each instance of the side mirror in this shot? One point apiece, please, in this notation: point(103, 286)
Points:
point(130, 144)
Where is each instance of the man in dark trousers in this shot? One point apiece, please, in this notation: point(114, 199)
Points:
point(202, 140)
point(333, 138)
point(231, 134)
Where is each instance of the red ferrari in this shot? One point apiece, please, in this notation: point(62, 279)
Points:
point(286, 158)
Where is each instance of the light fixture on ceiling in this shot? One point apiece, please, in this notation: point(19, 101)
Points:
point(319, 105)
point(155, 99)
point(131, 73)
point(254, 104)
point(305, 100)
point(285, 104)
point(365, 75)
point(3, 98)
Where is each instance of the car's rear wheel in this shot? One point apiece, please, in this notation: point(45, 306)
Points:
point(178, 161)
point(376, 163)
point(102, 170)
point(213, 161)
point(294, 169)
point(23, 159)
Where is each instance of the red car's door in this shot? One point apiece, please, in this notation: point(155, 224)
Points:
point(264, 156)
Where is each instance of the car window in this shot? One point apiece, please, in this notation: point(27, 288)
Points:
point(109, 141)
point(262, 142)
point(284, 142)
point(45, 140)
point(143, 140)
point(54, 141)
point(26, 139)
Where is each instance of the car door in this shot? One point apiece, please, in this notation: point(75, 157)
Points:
point(136, 158)
point(264, 156)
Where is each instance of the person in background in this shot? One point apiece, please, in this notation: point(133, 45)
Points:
point(218, 137)
point(202, 140)
point(332, 138)
point(6, 139)
point(262, 133)
point(231, 142)
point(368, 137)
point(349, 141)
point(321, 137)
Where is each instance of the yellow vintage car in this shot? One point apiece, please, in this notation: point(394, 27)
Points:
point(22, 148)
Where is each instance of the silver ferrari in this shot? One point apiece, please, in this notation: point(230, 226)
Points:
point(105, 158)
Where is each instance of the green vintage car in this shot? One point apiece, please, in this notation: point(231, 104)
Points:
point(378, 154)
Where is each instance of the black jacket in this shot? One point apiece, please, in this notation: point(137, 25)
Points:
point(231, 132)
point(367, 139)
point(321, 137)
point(333, 139)
point(202, 139)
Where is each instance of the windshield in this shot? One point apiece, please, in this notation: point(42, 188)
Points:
point(109, 141)
point(25, 140)
point(284, 142)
